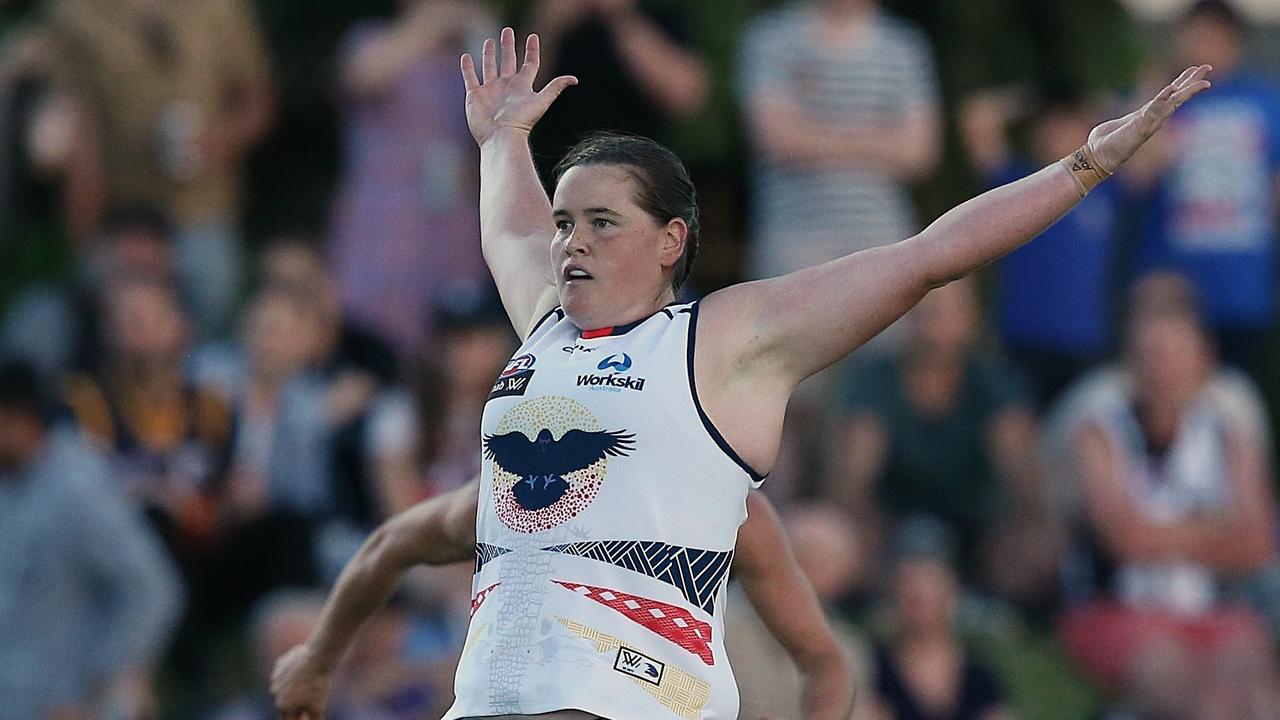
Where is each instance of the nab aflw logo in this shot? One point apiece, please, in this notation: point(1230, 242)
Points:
point(638, 665)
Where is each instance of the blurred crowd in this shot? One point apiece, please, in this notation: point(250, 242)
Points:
point(200, 422)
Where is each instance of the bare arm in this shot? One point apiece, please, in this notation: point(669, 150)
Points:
point(906, 147)
point(674, 77)
point(1236, 541)
point(785, 602)
point(515, 215)
point(380, 61)
point(436, 532)
point(785, 329)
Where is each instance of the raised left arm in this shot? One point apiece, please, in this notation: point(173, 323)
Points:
point(788, 328)
point(785, 602)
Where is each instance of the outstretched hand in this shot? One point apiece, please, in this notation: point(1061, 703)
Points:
point(1115, 141)
point(503, 96)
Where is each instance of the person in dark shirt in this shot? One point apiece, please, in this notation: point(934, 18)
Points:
point(636, 66)
point(923, 672)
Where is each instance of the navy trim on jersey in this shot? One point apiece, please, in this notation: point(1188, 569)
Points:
point(706, 421)
point(553, 311)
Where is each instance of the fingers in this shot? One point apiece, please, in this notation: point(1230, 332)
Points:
point(508, 52)
point(469, 78)
point(532, 56)
point(557, 86)
point(489, 60)
point(1188, 92)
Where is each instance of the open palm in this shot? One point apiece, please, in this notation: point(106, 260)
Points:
point(503, 96)
point(1114, 141)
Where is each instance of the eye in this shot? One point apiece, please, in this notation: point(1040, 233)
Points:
point(601, 223)
point(564, 225)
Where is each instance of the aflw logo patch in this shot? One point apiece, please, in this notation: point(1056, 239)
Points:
point(638, 665)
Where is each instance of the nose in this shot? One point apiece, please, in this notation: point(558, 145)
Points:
point(575, 244)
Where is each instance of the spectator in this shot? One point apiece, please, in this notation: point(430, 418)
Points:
point(825, 546)
point(296, 265)
point(1054, 296)
point(841, 108)
point(949, 432)
point(168, 441)
point(636, 64)
point(1179, 506)
point(178, 93)
point(87, 597)
point(404, 222)
point(1212, 213)
point(58, 327)
point(924, 671)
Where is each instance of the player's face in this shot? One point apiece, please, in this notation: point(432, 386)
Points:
point(608, 254)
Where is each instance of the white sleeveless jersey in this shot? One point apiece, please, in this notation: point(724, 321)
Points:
point(609, 509)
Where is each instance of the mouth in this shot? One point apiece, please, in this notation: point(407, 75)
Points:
point(575, 272)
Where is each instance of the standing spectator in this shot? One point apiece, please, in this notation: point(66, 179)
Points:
point(1213, 209)
point(405, 216)
point(1053, 305)
point(178, 92)
point(1178, 503)
point(924, 670)
point(637, 68)
point(87, 597)
point(167, 440)
point(841, 106)
point(948, 432)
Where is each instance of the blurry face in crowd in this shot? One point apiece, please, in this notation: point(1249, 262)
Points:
point(474, 357)
point(145, 322)
point(281, 334)
point(826, 549)
point(944, 322)
point(296, 266)
point(925, 595)
point(1206, 39)
point(20, 438)
point(1171, 359)
point(627, 255)
point(136, 252)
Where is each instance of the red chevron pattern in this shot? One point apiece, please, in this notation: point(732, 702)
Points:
point(480, 597)
point(670, 621)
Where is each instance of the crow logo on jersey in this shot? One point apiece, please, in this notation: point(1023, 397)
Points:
point(543, 462)
point(550, 456)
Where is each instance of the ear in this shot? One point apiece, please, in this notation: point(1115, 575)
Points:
point(674, 236)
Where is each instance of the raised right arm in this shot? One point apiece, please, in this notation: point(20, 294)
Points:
point(515, 215)
point(436, 532)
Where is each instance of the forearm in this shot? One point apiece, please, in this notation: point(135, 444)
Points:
point(435, 532)
point(512, 201)
point(906, 148)
point(362, 589)
point(993, 224)
point(673, 76)
point(827, 693)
